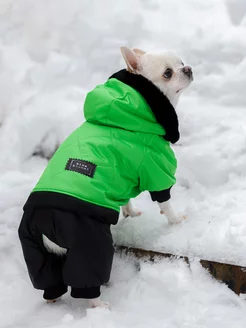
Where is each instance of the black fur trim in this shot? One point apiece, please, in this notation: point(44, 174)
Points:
point(160, 105)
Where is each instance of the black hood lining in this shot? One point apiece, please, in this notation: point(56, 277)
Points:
point(160, 105)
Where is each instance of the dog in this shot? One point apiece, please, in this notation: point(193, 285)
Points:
point(134, 111)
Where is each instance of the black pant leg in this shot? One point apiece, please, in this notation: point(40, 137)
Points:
point(44, 268)
point(87, 293)
point(87, 264)
point(89, 259)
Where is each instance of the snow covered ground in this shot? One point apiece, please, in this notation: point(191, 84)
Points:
point(161, 295)
point(51, 53)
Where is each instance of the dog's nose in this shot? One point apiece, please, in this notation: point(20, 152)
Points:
point(188, 71)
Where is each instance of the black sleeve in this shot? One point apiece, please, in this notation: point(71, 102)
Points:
point(161, 196)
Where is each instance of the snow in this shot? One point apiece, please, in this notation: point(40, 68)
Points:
point(51, 54)
point(167, 294)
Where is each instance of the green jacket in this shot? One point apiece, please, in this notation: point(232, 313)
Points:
point(116, 154)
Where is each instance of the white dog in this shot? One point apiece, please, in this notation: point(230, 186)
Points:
point(168, 73)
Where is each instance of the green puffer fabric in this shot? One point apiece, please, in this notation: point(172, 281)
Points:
point(122, 138)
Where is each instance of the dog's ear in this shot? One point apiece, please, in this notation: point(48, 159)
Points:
point(131, 59)
point(139, 51)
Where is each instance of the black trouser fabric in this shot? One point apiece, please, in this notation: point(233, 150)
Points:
point(88, 261)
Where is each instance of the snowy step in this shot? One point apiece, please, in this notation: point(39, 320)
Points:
point(232, 275)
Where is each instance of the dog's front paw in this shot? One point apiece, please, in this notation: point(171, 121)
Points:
point(174, 219)
point(130, 212)
point(178, 219)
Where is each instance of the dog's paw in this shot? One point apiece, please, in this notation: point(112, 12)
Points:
point(133, 213)
point(105, 305)
point(178, 219)
point(98, 303)
point(53, 301)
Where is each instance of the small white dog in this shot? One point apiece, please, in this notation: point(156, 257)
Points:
point(168, 76)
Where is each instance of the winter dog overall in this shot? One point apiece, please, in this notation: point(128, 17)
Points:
point(122, 149)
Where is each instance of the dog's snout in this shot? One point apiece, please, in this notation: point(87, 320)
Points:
point(187, 71)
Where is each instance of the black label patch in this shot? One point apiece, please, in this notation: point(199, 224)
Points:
point(80, 166)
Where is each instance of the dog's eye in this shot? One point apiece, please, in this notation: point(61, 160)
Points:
point(168, 73)
point(182, 64)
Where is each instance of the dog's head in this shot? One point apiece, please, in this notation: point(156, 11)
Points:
point(165, 70)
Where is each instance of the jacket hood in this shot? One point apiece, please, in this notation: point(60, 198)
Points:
point(116, 104)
